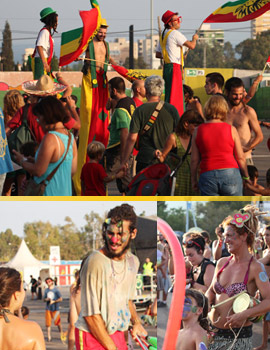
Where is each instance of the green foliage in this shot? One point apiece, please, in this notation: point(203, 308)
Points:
point(138, 63)
point(9, 245)
point(54, 63)
point(175, 217)
point(7, 52)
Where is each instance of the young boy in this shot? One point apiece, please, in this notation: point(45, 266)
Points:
point(253, 174)
point(193, 335)
point(93, 175)
point(262, 191)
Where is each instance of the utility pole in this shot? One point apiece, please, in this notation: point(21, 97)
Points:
point(151, 36)
point(131, 47)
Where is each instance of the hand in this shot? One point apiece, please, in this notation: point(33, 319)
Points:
point(137, 329)
point(195, 186)
point(58, 76)
point(236, 320)
point(219, 233)
point(195, 37)
point(120, 174)
point(70, 102)
point(46, 67)
point(18, 156)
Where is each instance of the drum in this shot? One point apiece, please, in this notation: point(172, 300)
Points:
point(244, 302)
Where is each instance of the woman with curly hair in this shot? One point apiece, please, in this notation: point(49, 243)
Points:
point(240, 272)
point(16, 333)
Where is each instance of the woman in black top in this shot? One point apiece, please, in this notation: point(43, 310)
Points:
point(202, 271)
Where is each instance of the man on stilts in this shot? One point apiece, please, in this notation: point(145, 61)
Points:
point(170, 48)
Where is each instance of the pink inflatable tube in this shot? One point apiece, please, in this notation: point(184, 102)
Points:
point(176, 308)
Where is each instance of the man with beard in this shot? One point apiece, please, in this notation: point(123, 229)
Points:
point(94, 95)
point(108, 285)
point(243, 117)
point(119, 129)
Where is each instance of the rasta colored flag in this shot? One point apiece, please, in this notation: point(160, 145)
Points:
point(74, 42)
point(239, 11)
point(129, 74)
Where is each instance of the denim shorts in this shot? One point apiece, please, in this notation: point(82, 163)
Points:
point(221, 182)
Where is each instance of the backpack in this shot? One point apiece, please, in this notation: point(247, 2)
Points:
point(20, 135)
point(151, 181)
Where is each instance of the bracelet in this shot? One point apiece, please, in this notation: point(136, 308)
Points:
point(245, 177)
point(220, 243)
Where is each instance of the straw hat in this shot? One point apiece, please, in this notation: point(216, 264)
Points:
point(43, 87)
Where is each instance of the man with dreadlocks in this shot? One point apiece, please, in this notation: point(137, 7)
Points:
point(240, 273)
point(43, 52)
point(170, 49)
point(108, 285)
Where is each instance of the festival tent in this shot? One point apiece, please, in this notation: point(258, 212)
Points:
point(27, 264)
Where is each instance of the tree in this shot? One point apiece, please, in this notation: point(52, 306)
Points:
point(139, 63)
point(9, 245)
point(54, 63)
point(7, 52)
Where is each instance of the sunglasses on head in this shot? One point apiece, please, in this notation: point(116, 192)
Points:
point(190, 244)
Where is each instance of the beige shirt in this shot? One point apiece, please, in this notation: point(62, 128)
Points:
point(106, 288)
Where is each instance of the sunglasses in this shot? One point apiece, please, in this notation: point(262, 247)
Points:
point(178, 19)
point(190, 244)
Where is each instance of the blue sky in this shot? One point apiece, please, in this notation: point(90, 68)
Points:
point(23, 17)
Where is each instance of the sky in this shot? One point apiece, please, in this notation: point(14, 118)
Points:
point(14, 214)
point(120, 14)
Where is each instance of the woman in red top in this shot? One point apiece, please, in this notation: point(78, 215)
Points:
point(217, 149)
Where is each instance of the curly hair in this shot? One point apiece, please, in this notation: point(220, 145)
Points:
point(124, 212)
point(13, 101)
point(202, 301)
point(10, 282)
point(250, 227)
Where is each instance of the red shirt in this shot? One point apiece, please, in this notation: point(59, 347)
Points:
point(137, 101)
point(37, 130)
point(216, 146)
point(93, 175)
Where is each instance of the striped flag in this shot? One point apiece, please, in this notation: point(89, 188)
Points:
point(239, 11)
point(74, 42)
point(129, 74)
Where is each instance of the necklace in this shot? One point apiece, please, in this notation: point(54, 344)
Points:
point(3, 313)
point(119, 273)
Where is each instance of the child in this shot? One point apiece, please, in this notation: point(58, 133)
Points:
point(261, 191)
point(253, 174)
point(193, 335)
point(93, 175)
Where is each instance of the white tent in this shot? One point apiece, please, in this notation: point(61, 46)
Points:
point(25, 262)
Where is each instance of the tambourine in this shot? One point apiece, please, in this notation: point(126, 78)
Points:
point(244, 302)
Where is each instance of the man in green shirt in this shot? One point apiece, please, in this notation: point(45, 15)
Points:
point(119, 128)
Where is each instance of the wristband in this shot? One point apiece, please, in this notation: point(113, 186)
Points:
point(220, 243)
point(245, 177)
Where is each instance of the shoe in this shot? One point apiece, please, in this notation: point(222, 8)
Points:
point(161, 304)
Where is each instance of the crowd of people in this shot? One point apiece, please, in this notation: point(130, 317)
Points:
point(219, 277)
point(127, 134)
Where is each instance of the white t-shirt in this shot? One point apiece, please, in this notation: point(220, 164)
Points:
point(106, 288)
point(175, 39)
point(44, 41)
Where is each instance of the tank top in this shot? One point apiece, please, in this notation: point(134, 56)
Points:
point(216, 147)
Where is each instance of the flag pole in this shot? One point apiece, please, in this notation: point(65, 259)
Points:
point(197, 32)
point(264, 67)
point(91, 59)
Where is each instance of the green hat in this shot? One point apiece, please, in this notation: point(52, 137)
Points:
point(45, 12)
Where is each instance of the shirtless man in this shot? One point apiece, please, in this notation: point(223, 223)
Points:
point(94, 95)
point(243, 117)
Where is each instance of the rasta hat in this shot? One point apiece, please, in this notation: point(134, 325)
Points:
point(43, 87)
point(46, 12)
point(103, 23)
point(167, 16)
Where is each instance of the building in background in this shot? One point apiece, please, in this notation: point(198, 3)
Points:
point(260, 24)
point(211, 36)
point(119, 50)
point(144, 51)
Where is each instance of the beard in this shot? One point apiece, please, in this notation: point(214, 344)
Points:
point(116, 255)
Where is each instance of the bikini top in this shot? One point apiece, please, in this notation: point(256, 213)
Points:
point(234, 288)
